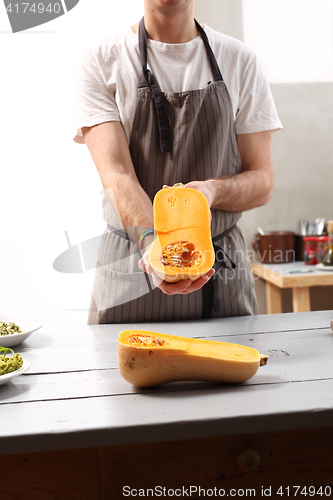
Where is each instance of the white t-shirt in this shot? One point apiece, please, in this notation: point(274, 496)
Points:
point(110, 74)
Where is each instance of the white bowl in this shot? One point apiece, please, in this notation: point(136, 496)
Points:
point(8, 376)
point(321, 267)
point(28, 326)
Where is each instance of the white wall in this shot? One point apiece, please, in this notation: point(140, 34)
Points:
point(48, 183)
point(225, 16)
point(302, 151)
point(303, 159)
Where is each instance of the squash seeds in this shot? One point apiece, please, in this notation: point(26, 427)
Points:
point(181, 254)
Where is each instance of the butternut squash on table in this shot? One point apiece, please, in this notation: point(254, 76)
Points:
point(147, 359)
point(182, 247)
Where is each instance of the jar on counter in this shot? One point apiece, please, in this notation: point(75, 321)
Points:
point(322, 242)
point(310, 250)
point(328, 257)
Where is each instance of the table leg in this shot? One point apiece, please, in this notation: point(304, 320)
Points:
point(273, 298)
point(301, 299)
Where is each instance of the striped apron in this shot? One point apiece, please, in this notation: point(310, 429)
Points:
point(176, 137)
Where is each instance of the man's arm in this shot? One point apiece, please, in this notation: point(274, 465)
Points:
point(109, 150)
point(253, 186)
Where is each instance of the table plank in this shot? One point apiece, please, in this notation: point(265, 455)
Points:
point(142, 418)
point(49, 336)
point(302, 356)
point(178, 465)
point(102, 356)
point(69, 474)
point(215, 462)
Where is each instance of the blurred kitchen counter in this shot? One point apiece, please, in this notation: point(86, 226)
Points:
point(295, 275)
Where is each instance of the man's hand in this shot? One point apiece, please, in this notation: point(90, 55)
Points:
point(205, 187)
point(181, 287)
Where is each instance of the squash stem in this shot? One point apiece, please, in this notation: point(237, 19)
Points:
point(263, 359)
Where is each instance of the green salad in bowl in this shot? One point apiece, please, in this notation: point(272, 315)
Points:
point(11, 363)
point(15, 329)
point(9, 328)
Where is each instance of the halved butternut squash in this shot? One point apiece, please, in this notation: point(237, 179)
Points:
point(182, 247)
point(147, 359)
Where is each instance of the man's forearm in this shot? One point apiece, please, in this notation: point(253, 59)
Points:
point(250, 188)
point(130, 202)
point(241, 192)
point(108, 147)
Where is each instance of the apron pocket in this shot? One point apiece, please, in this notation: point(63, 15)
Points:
point(113, 288)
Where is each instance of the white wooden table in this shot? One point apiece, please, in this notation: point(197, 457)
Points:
point(71, 427)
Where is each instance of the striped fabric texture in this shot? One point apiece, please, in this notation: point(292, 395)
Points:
point(203, 146)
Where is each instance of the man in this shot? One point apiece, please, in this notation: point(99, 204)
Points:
point(171, 101)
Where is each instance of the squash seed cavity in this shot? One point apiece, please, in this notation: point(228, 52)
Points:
point(181, 254)
point(146, 340)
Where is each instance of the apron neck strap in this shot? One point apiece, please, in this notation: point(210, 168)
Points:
point(143, 51)
point(148, 81)
point(217, 76)
point(213, 62)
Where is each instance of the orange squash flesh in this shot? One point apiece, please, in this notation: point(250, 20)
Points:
point(181, 219)
point(147, 359)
